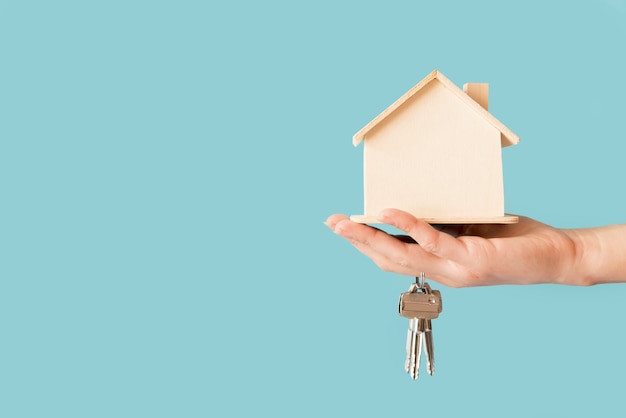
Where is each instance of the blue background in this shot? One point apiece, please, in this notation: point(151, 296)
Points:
point(165, 169)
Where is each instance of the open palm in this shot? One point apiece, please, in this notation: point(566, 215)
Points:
point(465, 255)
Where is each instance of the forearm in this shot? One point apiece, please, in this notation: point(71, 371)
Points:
point(600, 255)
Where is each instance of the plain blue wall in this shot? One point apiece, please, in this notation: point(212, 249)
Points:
point(165, 169)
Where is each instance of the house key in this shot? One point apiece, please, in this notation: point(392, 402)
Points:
point(420, 304)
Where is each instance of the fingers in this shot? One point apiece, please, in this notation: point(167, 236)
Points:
point(388, 252)
point(445, 259)
point(375, 244)
point(430, 239)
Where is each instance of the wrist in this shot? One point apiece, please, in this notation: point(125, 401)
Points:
point(582, 271)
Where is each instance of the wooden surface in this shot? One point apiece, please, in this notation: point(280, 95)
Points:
point(479, 92)
point(506, 219)
point(507, 136)
point(434, 158)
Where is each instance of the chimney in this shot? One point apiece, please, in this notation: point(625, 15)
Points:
point(479, 92)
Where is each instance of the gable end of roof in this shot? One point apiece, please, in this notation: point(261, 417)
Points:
point(507, 137)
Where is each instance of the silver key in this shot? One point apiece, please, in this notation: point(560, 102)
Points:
point(419, 342)
point(410, 344)
point(429, 347)
point(413, 347)
point(420, 304)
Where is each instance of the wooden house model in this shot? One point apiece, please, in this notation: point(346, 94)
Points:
point(436, 153)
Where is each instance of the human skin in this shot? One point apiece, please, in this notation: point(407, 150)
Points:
point(527, 252)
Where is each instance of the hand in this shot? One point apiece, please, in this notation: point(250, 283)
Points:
point(527, 252)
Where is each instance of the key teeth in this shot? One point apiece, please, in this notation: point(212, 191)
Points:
point(413, 370)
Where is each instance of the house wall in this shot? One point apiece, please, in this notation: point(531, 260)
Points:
point(434, 157)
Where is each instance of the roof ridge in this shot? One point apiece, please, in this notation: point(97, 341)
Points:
point(507, 136)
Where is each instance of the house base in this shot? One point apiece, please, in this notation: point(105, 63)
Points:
point(506, 219)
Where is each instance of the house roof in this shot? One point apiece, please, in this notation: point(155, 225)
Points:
point(507, 137)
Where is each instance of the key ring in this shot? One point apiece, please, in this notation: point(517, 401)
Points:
point(420, 280)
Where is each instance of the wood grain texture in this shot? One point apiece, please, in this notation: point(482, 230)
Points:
point(434, 158)
point(479, 92)
point(507, 136)
point(436, 153)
